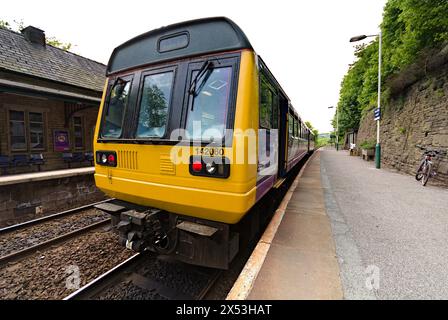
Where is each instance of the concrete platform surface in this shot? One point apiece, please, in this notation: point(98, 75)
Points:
point(44, 175)
point(391, 233)
point(301, 261)
point(351, 231)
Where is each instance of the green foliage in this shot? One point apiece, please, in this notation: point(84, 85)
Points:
point(154, 115)
point(368, 144)
point(5, 25)
point(440, 93)
point(409, 28)
point(52, 41)
point(321, 142)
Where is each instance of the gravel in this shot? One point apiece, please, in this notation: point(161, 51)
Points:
point(128, 291)
point(30, 236)
point(45, 275)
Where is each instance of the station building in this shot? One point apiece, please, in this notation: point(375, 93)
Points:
point(49, 100)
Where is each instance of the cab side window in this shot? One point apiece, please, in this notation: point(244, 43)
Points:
point(268, 104)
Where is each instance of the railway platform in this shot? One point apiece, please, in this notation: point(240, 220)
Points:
point(30, 195)
point(295, 258)
point(346, 230)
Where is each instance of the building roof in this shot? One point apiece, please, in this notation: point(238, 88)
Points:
point(17, 54)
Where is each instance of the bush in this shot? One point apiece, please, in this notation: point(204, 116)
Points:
point(411, 29)
point(368, 144)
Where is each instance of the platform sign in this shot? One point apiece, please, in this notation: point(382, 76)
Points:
point(61, 140)
point(377, 113)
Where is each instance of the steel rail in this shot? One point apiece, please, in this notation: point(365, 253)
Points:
point(49, 217)
point(99, 280)
point(17, 255)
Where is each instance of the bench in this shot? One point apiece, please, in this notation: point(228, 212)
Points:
point(37, 160)
point(368, 154)
point(4, 163)
point(89, 157)
point(21, 160)
point(78, 157)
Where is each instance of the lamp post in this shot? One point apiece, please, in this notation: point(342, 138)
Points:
point(378, 145)
point(337, 127)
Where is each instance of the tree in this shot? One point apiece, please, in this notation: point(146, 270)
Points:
point(52, 41)
point(410, 28)
point(154, 107)
point(5, 25)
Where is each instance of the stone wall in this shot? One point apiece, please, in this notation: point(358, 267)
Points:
point(23, 201)
point(417, 115)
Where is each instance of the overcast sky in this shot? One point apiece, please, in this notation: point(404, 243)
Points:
point(304, 43)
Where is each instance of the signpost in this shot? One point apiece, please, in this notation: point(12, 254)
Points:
point(377, 113)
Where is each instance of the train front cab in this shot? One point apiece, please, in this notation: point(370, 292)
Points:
point(139, 160)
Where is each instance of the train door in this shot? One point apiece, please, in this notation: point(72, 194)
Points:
point(268, 125)
point(282, 135)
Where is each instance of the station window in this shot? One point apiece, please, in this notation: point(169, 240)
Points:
point(26, 130)
point(36, 123)
point(78, 132)
point(154, 105)
point(17, 130)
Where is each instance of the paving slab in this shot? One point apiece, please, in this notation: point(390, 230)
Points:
point(301, 262)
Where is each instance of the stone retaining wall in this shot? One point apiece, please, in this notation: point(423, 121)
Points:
point(22, 201)
point(419, 115)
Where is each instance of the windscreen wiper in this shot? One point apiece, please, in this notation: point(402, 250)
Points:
point(206, 66)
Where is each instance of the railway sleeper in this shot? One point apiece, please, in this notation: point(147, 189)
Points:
point(188, 239)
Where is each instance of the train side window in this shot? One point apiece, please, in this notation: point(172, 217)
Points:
point(275, 111)
point(296, 128)
point(154, 105)
point(114, 115)
point(290, 125)
point(266, 103)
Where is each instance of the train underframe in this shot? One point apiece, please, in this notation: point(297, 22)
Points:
point(188, 239)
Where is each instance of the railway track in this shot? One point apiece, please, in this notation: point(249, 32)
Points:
point(137, 278)
point(18, 241)
point(49, 217)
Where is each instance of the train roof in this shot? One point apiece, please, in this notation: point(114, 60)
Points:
point(180, 40)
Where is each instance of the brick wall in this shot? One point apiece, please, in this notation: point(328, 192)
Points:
point(419, 115)
point(54, 119)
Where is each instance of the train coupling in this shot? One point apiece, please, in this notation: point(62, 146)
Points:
point(142, 230)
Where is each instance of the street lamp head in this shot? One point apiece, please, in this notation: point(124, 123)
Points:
point(358, 38)
point(331, 107)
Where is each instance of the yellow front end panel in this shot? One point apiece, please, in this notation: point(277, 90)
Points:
point(146, 174)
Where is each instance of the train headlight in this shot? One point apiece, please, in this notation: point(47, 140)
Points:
point(210, 167)
point(106, 158)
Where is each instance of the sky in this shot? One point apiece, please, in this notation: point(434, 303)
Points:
point(305, 44)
